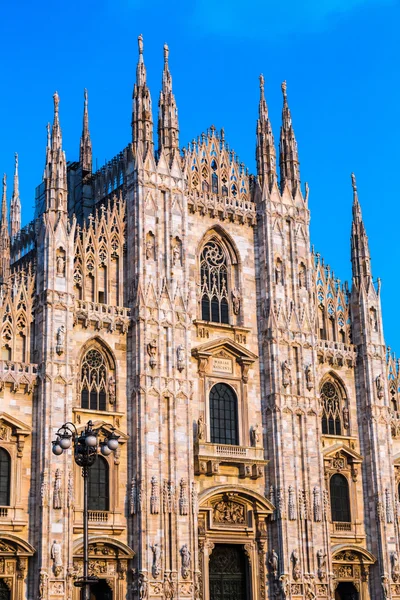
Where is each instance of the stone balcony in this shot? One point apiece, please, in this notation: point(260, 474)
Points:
point(209, 457)
point(102, 316)
point(101, 521)
point(13, 518)
point(336, 354)
point(18, 374)
point(222, 207)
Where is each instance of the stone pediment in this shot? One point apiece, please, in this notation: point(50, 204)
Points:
point(17, 427)
point(224, 352)
point(341, 447)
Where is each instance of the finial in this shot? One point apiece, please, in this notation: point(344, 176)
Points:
point(262, 81)
point(56, 101)
point(353, 182)
point(166, 53)
point(283, 87)
point(4, 182)
point(16, 160)
point(48, 134)
point(140, 43)
point(85, 95)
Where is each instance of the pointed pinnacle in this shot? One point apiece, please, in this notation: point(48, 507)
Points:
point(4, 201)
point(166, 54)
point(56, 100)
point(140, 44)
point(283, 87)
point(16, 183)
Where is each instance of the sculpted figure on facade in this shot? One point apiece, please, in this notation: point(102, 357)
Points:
point(60, 265)
point(60, 339)
point(394, 557)
point(256, 435)
point(379, 386)
point(57, 499)
point(186, 558)
point(180, 358)
point(309, 377)
point(296, 565)
point(156, 568)
point(56, 555)
point(112, 392)
point(155, 496)
point(321, 562)
point(273, 562)
point(177, 253)
point(201, 426)
point(236, 301)
point(286, 374)
point(152, 349)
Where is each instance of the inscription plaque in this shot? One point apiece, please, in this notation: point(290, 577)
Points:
point(223, 365)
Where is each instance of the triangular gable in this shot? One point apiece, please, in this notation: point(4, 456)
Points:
point(330, 452)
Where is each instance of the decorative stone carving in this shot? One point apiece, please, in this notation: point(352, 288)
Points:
point(309, 377)
point(44, 491)
point(273, 562)
point(394, 559)
point(385, 586)
point(291, 503)
point(56, 555)
point(302, 276)
point(280, 503)
point(168, 497)
point(309, 587)
point(177, 253)
point(272, 499)
point(183, 498)
point(286, 374)
point(317, 507)
point(379, 386)
point(327, 508)
point(379, 509)
point(303, 505)
point(150, 246)
point(389, 506)
point(201, 427)
point(227, 511)
point(43, 585)
point(180, 358)
point(169, 586)
point(321, 562)
point(133, 497)
point(156, 565)
point(70, 490)
point(57, 494)
point(346, 422)
point(142, 587)
point(112, 390)
point(296, 565)
point(195, 501)
point(60, 262)
point(255, 435)
point(236, 301)
point(152, 348)
point(186, 559)
point(60, 340)
point(155, 496)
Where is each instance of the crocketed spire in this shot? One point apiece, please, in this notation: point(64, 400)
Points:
point(289, 158)
point(265, 150)
point(168, 129)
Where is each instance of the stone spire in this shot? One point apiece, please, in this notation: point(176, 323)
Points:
point(15, 210)
point(4, 236)
point(56, 166)
point(265, 151)
point(289, 158)
point(360, 256)
point(168, 129)
point(142, 119)
point(85, 150)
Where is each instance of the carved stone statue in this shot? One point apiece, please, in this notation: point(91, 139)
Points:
point(43, 580)
point(302, 276)
point(152, 352)
point(111, 389)
point(385, 586)
point(186, 557)
point(321, 562)
point(60, 340)
point(156, 567)
point(273, 562)
point(236, 301)
point(309, 378)
point(57, 500)
point(286, 374)
point(379, 386)
point(346, 422)
point(296, 565)
point(256, 435)
point(60, 266)
point(229, 512)
point(142, 587)
point(150, 247)
point(56, 555)
point(394, 558)
point(176, 254)
point(155, 496)
point(278, 272)
point(201, 428)
point(183, 498)
point(169, 587)
point(180, 358)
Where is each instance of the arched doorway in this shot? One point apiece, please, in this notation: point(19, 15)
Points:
point(228, 573)
point(101, 591)
point(346, 591)
point(5, 593)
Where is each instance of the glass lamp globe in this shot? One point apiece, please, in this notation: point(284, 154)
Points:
point(105, 450)
point(57, 450)
point(112, 442)
point(65, 441)
point(91, 440)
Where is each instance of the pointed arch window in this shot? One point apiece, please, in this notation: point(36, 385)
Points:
point(332, 415)
point(99, 485)
point(5, 472)
point(93, 384)
point(340, 499)
point(214, 283)
point(224, 415)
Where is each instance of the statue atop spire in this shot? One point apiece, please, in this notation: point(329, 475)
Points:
point(289, 158)
point(4, 236)
point(265, 150)
point(360, 255)
point(142, 118)
point(168, 128)
point(15, 209)
point(85, 150)
point(55, 174)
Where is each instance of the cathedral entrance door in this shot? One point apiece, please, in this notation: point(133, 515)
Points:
point(5, 593)
point(100, 591)
point(228, 573)
point(346, 591)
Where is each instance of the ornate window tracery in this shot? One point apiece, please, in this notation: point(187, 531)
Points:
point(93, 384)
point(5, 472)
point(214, 283)
point(224, 415)
point(332, 416)
point(340, 499)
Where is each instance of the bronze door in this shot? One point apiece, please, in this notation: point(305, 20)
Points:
point(228, 573)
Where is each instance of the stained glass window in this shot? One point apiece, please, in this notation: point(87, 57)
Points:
point(214, 284)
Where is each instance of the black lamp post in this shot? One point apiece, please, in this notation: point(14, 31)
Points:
point(86, 446)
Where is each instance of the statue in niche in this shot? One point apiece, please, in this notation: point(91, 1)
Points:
point(286, 374)
point(302, 276)
point(156, 568)
point(111, 389)
point(379, 386)
point(236, 301)
point(60, 263)
point(56, 555)
point(309, 378)
point(296, 565)
point(177, 253)
point(201, 426)
point(152, 352)
point(273, 562)
point(180, 357)
point(185, 554)
point(278, 272)
point(150, 246)
point(321, 562)
point(373, 320)
point(346, 422)
point(60, 340)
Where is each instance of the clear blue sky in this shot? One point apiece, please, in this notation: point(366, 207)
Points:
point(340, 59)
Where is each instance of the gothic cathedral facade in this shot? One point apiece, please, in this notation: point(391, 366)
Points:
point(173, 298)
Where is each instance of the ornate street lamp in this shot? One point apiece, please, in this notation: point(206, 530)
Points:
point(86, 446)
